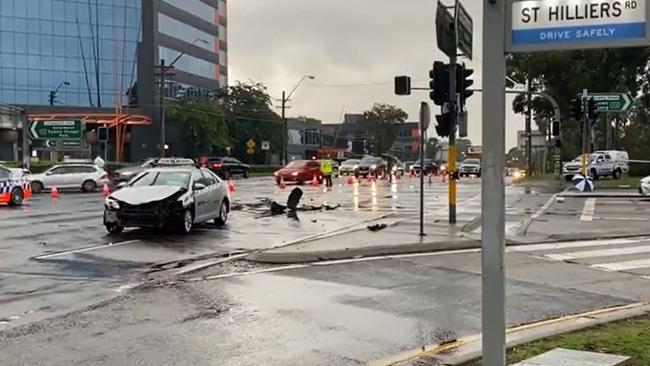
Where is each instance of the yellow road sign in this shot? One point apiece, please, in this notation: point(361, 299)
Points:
point(250, 151)
point(250, 144)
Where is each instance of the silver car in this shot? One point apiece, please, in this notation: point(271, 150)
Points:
point(176, 197)
point(86, 177)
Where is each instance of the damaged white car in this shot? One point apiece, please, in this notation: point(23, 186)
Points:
point(169, 197)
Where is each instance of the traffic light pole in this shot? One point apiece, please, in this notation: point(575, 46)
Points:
point(451, 156)
point(586, 129)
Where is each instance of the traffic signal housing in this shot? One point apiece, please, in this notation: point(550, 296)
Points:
point(575, 108)
point(439, 83)
point(555, 128)
point(102, 134)
point(443, 128)
point(463, 83)
point(591, 108)
point(402, 85)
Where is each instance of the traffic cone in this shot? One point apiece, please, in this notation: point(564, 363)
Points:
point(444, 177)
point(350, 180)
point(231, 185)
point(314, 181)
point(105, 190)
point(54, 193)
point(430, 179)
point(282, 185)
point(398, 176)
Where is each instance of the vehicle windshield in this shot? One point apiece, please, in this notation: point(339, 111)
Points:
point(297, 164)
point(157, 178)
point(369, 160)
point(351, 162)
point(472, 161)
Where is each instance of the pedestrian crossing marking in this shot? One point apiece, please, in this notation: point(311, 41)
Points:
point(588, 210)
point(623, 266)
point(573, 244)
point(599, 253)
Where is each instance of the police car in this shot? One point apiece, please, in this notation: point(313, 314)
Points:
point(14, 186)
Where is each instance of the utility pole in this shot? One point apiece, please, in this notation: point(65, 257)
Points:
point(586, 133)
point(163, 136)
point(452, 153)
point(529, 133)
point(285, 139)
point(493, 291)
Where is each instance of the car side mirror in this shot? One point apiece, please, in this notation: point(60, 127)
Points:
point(49, 173)
point(198, 186)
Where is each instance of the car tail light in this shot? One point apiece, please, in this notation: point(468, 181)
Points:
point(104, 176)
point(216, 165)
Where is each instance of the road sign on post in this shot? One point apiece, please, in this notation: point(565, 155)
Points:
point(445, 31)
point(56, 130)
point(612, 102)
point(266, 145)
point(464, 28)
point(542, 25)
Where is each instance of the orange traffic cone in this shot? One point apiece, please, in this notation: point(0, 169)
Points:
point(282, 185)
point(54, 193)
point(398, 176)
point(314, 181)
point(430, 179)
point(350, 180)
point(231, 185)
point(105, 190)
point(444, 177)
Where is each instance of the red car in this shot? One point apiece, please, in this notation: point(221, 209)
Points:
point(299, 171)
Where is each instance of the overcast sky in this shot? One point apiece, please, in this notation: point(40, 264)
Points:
point(346, 44)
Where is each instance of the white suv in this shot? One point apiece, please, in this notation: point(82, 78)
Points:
point(86, 177)
point(598, 165)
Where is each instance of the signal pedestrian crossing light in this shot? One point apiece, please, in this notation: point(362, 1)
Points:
point(575, 108)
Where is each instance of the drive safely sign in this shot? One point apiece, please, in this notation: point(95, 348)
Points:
point(542, 25)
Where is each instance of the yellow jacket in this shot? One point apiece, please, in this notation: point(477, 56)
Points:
point(326, 167)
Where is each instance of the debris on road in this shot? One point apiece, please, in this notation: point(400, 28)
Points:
point(377, 227)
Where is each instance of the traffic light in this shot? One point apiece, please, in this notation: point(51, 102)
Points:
point(439, 84)
point(463, 82)
point(102, 134)
point(402, 85)
point(444, 124)
point(555, 128)
point(52, 97)
point(575, 108)
point(591, 108)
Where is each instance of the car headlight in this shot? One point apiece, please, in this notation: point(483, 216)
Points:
point(394, 168)
point(112, 203)
point(295, 174)
point(373, 167)
point(355, 167)
point(275, 173)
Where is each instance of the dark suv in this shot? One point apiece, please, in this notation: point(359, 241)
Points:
point(227, 167)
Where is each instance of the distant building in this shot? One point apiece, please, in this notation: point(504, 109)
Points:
point(407, 142)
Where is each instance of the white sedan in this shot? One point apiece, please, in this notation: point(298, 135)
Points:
point(644, 186)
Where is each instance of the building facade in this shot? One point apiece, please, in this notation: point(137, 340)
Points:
point(64, 56)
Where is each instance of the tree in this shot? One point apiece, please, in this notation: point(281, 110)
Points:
point(382, 122)
point(432, 148)
point(461, 148)
point(250, 116)
point(197, 127)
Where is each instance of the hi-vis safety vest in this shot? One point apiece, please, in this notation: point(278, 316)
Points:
point(326, 167)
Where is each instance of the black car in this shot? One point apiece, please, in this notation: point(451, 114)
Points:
point(371, 165)
point(227, 167)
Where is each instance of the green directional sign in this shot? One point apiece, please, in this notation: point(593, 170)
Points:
point(612, 102)
point(56, 130)
point(464, 28)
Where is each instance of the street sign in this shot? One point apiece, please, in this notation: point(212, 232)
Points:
point(425, 115)
point(266, 145)
point(250, 151)
point(445, 31)
point(464, 28)
point(250, 144)
point(56, 130)
point(543, 25)
point(611, 102)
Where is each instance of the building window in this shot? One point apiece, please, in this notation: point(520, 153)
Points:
point(185, 32)
point(195, 7)
point(189, 63)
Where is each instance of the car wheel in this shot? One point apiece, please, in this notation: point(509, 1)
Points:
point(17, 197)
point(88, 186)
point(617, 174)
point(223, 214)
point(37, 187)
point(246, 174)
point(113, 228)
point(186, 222)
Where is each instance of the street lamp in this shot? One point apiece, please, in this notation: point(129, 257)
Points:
point(286, 98)
point(163, 70)
point(53, 92)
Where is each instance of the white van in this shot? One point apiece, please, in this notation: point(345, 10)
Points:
point(619, 157)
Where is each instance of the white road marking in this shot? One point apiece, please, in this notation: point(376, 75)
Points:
point(599, 253)
point(541, 210)
point(588, 210)
point(623, 266)
point(88, 249)
point(573, 244)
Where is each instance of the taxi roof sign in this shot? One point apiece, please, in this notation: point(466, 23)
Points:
point(175, 162)
point(543, 25)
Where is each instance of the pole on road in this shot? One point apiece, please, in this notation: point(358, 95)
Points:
point(493, 185)
point(285, 140)
point(425, 120)
point(451, 158)
point(529, 129)
point(163, 137)
point(586, 133)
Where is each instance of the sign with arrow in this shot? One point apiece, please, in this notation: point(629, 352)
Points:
point(612, 102)
point(56, 130)
point(464, 28)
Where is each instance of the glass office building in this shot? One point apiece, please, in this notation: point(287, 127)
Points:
point(87, 48)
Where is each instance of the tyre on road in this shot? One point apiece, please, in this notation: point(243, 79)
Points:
point(88, 186)
point(617, 173)
point(594, 174)
point(186, 222)
point(17, 197)
point(246, 174)
point(37, 187)
point(113, 228)
point(223, 214)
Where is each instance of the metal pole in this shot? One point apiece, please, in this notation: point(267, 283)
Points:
point(607, 131)
point(285, 139)
point(421, 173)
point(163, 137)
point(26, 158)
point(493, 185)
point(529, 133)
point(451, 159)
point(585, 133)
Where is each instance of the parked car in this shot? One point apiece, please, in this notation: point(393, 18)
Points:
point(161, 197)
point(86, 177)
point(227, 167)
point(598, 165)
point(299, 171)
point(14, 186)
point(349, 167)
point(470, 167)
point(371, 165)
point(429, 167)
point(644, 186)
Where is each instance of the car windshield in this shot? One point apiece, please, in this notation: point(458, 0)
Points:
point(369, 160)
point(351, 162)
point(471, 161)
point(158, 178)
point(297, 164)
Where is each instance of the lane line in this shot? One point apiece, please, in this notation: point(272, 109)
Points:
point(87, 249)
point(599, 253)
point(573, 244)
point(588, 210)
point(623, 266)
point(546, 205)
